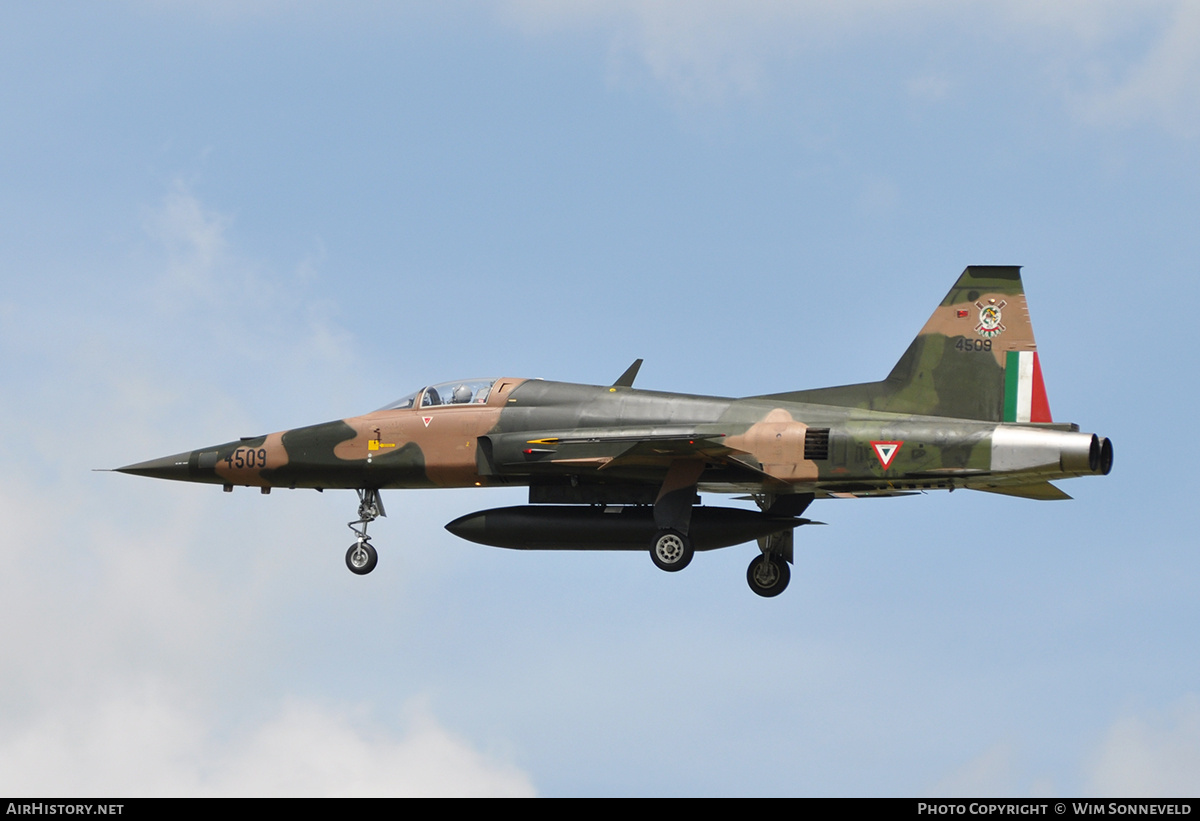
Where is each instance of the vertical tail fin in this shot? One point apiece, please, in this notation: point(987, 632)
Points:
point(974, 359)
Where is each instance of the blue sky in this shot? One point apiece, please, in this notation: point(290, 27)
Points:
point(223, 219)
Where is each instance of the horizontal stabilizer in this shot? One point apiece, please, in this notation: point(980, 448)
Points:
point(1041, 490)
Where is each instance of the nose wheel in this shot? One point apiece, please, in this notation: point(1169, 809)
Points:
point(361, 558)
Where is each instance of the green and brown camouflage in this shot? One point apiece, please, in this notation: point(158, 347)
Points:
point(965, 407)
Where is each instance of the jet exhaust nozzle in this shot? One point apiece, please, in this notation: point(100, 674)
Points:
point(1080, 453)
point(1022, 449)
point(1098, 457)
point(1106, 456)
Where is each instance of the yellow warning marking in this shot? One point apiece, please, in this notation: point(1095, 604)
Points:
point(551, 441)
point(375, 444)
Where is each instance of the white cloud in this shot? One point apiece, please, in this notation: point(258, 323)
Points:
point(879, 196)
point(134, 634)
point(989, 773)
point(1151, 755)
point(150, 741)
point(707, 49)
point(1162, 86)
point(238, 311)
point(308, 750)
point(711, 50)
point(929, 87)
point(192, 237)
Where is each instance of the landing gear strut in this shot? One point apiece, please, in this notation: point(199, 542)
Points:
point(671, 548)
point(361, 558)
point(769, 574)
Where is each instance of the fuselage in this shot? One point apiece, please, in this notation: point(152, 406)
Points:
point(614, 440)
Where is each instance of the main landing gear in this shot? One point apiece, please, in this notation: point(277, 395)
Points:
point(671, 550)
point(361, 558)
point(768, 574)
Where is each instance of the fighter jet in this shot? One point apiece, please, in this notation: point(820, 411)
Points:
point(614, 467)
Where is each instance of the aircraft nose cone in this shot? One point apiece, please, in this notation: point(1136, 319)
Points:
point(167, 467)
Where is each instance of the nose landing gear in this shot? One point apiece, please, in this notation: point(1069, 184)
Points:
point(361, 558)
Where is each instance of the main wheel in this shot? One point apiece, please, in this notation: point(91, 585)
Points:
point(361, 558)
point(768, 575)
point(671, 550)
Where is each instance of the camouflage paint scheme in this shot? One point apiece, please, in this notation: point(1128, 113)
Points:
point(965, 407)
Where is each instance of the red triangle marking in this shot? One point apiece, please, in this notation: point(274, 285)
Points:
point(426, 420)
point(886, 452)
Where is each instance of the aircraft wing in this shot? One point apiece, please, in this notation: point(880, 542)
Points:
point(600, 449)
point(637, 454)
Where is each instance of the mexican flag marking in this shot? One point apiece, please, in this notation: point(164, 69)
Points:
point(1024, 391)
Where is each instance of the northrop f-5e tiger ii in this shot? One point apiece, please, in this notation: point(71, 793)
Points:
point(614, 467)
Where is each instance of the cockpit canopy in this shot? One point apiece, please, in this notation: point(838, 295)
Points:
point(461, 392)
